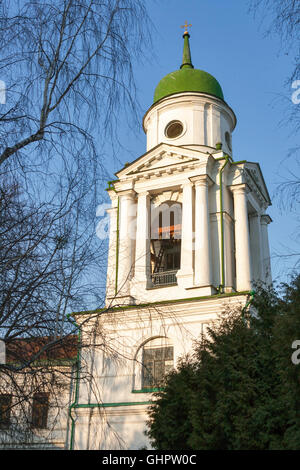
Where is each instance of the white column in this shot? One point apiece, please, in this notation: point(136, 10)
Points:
point(125, 255)
point(142, 247)
point(186, 272)
point(242, 239)
point(111, 261)
point(202, 234)
point(256, 248)
point(266, 259)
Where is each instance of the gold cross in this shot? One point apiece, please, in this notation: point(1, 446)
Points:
point(186, 26)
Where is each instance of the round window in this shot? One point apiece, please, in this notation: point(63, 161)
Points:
point(174, 129)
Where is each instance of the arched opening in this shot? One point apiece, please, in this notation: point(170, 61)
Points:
point(165, 246)
point(154, 359)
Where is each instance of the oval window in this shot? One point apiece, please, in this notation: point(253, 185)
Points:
point(174, 129)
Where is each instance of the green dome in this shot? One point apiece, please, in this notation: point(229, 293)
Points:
point(187, 78)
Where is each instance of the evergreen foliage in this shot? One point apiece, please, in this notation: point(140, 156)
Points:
point(240, 388)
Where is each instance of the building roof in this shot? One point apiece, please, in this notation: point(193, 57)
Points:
point(25, 349)
point(187, 79)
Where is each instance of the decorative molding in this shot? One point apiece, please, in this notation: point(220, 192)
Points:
point(202, 180)
point(127, 192)
point(215, 216)
point(175, 196)
point(251, 179)
point(142, 193)
point(238, 188)
point(265, 219)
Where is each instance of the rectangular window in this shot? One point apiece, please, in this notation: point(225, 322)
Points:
point(173, 260)
point(157, 362)
point(5, 407)
point(40, 406)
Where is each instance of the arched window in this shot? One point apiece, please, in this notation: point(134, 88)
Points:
point(154, 360)
point(165, 245)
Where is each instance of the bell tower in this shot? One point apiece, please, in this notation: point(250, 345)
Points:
point(187, 220)
point(188, 239)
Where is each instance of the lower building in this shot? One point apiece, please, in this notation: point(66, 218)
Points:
point(35, 395)
point(142, 343)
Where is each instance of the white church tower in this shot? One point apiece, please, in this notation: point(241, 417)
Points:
point(188, 237)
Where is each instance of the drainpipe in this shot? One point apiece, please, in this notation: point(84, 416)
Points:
point(249, 302)
point(222, 284)
point(78, 365)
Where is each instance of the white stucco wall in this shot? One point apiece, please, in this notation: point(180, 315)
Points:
point(205, 120)
point(121, 421)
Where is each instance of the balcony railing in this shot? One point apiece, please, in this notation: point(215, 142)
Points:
point(164, 278)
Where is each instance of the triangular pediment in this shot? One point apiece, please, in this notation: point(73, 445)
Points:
point(255, 179)
point(250, 173)
point(162, 156)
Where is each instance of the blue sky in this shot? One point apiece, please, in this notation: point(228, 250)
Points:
point(252, 69)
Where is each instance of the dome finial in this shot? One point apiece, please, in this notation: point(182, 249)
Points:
point(186, 59)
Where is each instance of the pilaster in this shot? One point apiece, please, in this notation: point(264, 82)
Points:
point(242, 238)
point(203, 268)
point(186, 272)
